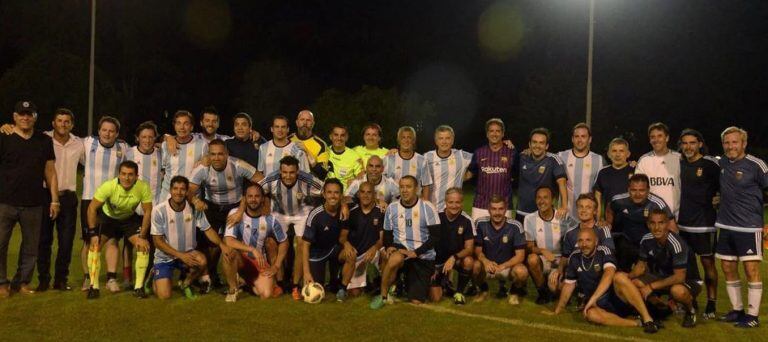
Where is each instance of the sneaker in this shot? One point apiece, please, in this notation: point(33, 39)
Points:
point(43, 286)
point(231, 296)
point(650, 327)
point(341, 295)
point(732, 316)
point(92, 293)
point(709, 312)
point(480, 297)
point(61, 286)
point(377, 303)
point(205, 287)
point(513, 299)
point(689, 320)
point(459, 299)
point(748, 321)
point(86, 284)
point(295, 293)
point(25, 290)
point(113, 286)
point(139, 293)
point(188, 293)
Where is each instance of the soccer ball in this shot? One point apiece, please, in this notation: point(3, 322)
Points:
point(313, 293)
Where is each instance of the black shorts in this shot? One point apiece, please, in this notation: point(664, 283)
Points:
point(418, 273)
point(703, 244)
point(611, 302)
point(217, 215)
point(627, 253)
point(113, 228)
point(739, 246)
point(317, 266)
point(440, 279)
point(693, 285)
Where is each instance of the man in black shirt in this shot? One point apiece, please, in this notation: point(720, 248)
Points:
point(613, 179)
point(664, 267)
point(454, 250)
point(26, 159)
point(242, 145)
point(361, 241)
point(699, 184)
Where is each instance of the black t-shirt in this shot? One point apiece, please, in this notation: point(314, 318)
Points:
point(699, 183)
point(453, 234)
point(322, 232)
point(22, 168)
point(611, 182)
point(247, 150)
point(364, 228)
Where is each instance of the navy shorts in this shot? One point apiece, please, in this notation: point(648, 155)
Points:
point(703, 244)
point(739, 246)
point(164, 270)
point(611, 302)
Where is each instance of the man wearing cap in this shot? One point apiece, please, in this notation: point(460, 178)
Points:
point(26, 157)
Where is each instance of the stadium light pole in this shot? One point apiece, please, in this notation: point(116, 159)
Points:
point(590, 54)
point(91, 67)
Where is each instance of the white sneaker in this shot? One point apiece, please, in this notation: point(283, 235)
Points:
point(512, 299)
point(113, 286)
point(231, 297)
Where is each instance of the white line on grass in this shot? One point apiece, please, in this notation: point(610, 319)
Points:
point(518, 322)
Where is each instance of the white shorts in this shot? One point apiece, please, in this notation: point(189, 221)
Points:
point(478, 213)
point(360, 275)
point(504, 274)
point(547, 266)
point(299, 222)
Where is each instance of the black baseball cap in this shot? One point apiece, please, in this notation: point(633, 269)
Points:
point(25, 107)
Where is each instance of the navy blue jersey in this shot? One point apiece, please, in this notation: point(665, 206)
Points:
point(570, 242)
point(453, 234)
point(741, 194)
point(663, 259)
point(536, 173)
point(587, 271)
point(322, 232)
point(364, 228)
point(611, 182)
point(247, 150)
point(699, 183)
point(499, 245)
point(629, 218)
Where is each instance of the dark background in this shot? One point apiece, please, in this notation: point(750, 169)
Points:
point(699, 64)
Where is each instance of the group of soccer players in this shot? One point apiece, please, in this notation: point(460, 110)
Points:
point(620, 238)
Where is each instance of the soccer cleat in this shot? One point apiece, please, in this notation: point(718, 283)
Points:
point(459, 299)
point(513, 299)
point(61, 286)
point(295, 293)
point(188, 293)
point(709, 312)
point(277, 291)
point(748, 321)
point(113, 286)
point(377, 302)
point(86, 285)
point(92, 293)
point(341, 295)
point(205, 287)
point(231, 296)
point(139, 293)
point(650, 327)
point(689, 320)
point(732, 316)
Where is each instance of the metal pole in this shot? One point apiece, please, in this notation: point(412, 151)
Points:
point(91, 68)
point(589, 60)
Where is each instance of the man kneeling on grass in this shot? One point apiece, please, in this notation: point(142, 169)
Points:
point(173, 232)
point(249, 237)
point(612, 296)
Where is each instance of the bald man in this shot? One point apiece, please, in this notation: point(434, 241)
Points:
point(313, 145)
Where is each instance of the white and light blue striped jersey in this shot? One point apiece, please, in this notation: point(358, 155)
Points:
point(396, 167)
point(226, 186)
point(177, 227)
point(150, 169)
point(101, 163)
point(270, 155)
point(182, 163)
point(581, 175)
point(296, 199)
point(252, 231)
point(387, 189)
point(409, 225)
point(446, 173)
point(201, 136)
point(547, 234)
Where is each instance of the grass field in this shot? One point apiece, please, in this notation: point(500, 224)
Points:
point(67, 316)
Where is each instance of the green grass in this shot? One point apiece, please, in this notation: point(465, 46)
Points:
point(66, 316)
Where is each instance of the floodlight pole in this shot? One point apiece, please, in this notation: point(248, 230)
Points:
point(91, 67)
point(590, 54)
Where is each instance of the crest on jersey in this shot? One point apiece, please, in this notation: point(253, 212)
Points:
point(229, 178)
point(375, 221)
point(699, 172)
point(189, 152)
point(299, 195)
point(172, 221)
point(397, 167)
point(645, 212)
point(739, 174)
point(596, 267)
point(504, 159)
point(451, 161)
point(461, 230)
point(119, 154)
point(188, 218)
point(154, 162)
point(247, 226)
point(263, 226)
point(587, 165)
point(542, 169)
point(505, 238)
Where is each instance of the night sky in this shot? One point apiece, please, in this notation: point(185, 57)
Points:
point(699, 64)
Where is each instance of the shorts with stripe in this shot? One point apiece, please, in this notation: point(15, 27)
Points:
point(739, 246)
